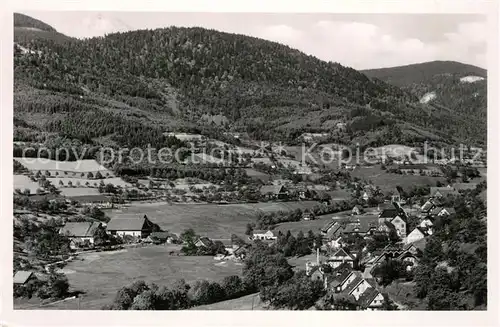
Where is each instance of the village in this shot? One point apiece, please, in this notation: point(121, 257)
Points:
point(356, 218)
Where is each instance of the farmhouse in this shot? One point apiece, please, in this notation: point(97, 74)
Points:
point(263, 235)
point(130, 226)
point(204, 242)
point(80, 232)
point(274, 191)
point(331, 230)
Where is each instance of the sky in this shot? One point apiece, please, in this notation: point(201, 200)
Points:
point(361, 41)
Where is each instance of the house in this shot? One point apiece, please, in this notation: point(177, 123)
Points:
point(264, 235)
point(341, 256)
point(357, 210)
point(400, 225)
point(362, 227)
point(308, 215)
point(386, 227)
point(80, 232)
point(448, 211)
point(273, 192)
point(21, 277)
point(332, 230)
point(358, 286)
point(228, 245)
point(428, 206)
point(395, 196)
point(435, 211)
point(340, 279)
point(139, 227)
point(417, 234)
point(367, 195)
point(371, 299)
point(98, 200)
point(204, 242)
point(304, 193)
point(162, 237)
point(443, 192)
point(426, 223)
point(395, 217)
point(388, 215)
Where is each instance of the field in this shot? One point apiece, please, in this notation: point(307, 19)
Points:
point(23, 182)
point(78, 191)
point(388, 182)
point(214, 221)
point(257, 174)
point(34, 164)
point(101, 275)
point(247, 302)
point(279, 206)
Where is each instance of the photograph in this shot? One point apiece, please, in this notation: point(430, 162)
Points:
point(255, 161)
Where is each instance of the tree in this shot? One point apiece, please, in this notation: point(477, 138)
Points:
point(297, 293)
point(98, 175)
point(249, 229)
point(144, 301)
point(90, 175)
point(188, 236)
point(233, 286)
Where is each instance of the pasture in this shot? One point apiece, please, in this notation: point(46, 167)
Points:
point(23, 182)
point(78, 191)
point(387, 181)
point(101, 275)
point(78, 166)
point(215, 221)
point(247, 302)
point(212, 220)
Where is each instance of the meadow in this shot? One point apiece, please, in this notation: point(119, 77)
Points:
point(23, 182)
point(247, 302)
point(35, 164)
point(101, 275)
point(387, 181)
point(212, 220)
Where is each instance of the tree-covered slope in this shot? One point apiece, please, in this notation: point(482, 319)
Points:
point(167, 76)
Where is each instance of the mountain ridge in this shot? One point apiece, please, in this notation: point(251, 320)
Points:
point(157, 77)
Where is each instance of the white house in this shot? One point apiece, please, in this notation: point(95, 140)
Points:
point(417, 234)
point(446, 212)
point(130, 226)
point(80, 232)
point(340, 257)
point(358, 287)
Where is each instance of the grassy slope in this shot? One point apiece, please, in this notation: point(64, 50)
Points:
point(101, 275)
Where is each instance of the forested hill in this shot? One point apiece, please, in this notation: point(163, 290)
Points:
point(165, 77)
point(459, 87)
point(421, 73)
